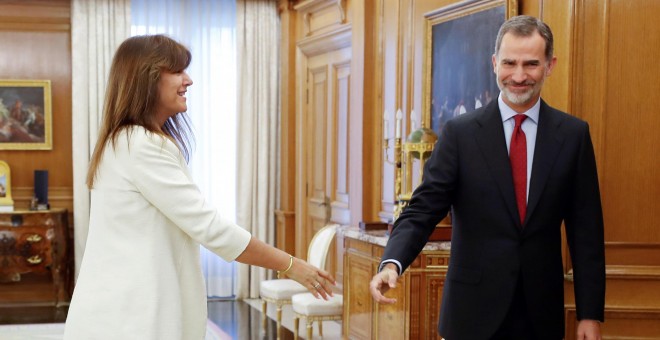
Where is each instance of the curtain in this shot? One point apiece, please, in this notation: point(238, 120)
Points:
point(258, 123)
point(97, 29)
point(207, 28)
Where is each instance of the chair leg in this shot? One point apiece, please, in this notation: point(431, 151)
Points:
point(296, 323)
point(279, 320)
point(320, 323)
point(264, 309)
point(310, 330)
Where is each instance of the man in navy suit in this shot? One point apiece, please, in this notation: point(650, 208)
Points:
point(505, 277)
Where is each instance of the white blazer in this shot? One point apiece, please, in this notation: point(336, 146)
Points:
point(141, 276)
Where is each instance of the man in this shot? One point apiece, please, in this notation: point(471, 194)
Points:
point(505, 277)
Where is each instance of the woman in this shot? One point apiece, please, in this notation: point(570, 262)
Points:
point(140, 276)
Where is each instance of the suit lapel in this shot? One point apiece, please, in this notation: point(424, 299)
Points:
point(492, 143)
point(548, 145)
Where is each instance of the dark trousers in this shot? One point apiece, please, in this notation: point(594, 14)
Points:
point(516, 325)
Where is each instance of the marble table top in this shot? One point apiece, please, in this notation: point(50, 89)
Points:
point(380, 237)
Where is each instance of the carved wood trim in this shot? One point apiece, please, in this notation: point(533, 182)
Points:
point(61, 197)
point(326, 42)
point(416, 305)
point(312, 8)
point(38, 26)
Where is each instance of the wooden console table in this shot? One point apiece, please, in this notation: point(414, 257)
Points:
point(418, 292)
point(34, 266)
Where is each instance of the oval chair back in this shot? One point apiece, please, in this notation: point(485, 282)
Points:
point(319, 246)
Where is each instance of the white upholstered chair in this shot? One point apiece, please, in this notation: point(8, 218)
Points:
point(307, 307)
point(280, 291)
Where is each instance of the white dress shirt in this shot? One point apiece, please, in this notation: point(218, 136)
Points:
point(529, 127)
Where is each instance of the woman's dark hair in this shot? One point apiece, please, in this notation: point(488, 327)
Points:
point(132, 93)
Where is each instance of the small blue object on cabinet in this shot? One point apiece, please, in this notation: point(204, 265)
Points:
point(41, 189)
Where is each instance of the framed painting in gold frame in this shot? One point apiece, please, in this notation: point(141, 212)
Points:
point(458, 71)
point(6, 203)
point(25, 115)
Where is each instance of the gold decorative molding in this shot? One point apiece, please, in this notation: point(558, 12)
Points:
point(329, 13)
point(326, 42)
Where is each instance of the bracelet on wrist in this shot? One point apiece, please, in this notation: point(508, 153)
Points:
point(280, 273)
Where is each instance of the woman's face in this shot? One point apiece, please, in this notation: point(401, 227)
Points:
point(172, 89)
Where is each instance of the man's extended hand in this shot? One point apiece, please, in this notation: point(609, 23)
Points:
point(588, 330)
point(382, 282)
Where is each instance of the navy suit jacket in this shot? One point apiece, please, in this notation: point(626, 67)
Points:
point(469, 172)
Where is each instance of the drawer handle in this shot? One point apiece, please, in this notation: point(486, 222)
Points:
point(34, 238)
point(36, 259)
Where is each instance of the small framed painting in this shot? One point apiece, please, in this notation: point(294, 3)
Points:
point(25, 115)
point(6, 203)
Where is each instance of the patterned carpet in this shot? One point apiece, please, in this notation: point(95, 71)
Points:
point(55, 331)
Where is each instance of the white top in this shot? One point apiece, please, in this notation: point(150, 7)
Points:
point(141, 276)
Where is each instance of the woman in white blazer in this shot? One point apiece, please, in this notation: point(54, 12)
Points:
point(140, 276)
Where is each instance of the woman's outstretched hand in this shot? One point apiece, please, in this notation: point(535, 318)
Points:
point(317, 281)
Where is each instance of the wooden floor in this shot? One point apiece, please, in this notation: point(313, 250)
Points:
point(236, 318)
point(242, 321)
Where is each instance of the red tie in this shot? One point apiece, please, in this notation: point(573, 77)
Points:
point(518, 158)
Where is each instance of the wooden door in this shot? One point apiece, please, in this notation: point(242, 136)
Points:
point(324, 146)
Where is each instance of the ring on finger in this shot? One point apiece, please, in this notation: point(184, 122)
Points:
point(317, 285)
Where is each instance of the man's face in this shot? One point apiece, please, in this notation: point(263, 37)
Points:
point(521, 68)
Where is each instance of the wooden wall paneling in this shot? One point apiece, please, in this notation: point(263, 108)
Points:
point(631, 161)
point(372, 111)
point(588, 74)
point(413, 121)
point(324, 81)
point(559, 16)
point(36, 44)
point(361, 162)
point(434, 287)
point(318, 195)
point(613, 47)
point(388, 32)
point(285, 213)
point(300, 152)
point(532, 7)
point(358, 270)
point(339, 149)
point(608, 95)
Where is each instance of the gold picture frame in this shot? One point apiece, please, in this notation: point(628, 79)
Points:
point(25, 115)
point(457, 69)
point(5, 186)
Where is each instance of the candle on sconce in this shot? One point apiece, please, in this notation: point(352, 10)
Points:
point(413, 121)
point(397, 129)
point(385, 125)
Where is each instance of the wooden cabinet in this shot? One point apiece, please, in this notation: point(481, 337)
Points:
point(418, 292)
point(34, 266)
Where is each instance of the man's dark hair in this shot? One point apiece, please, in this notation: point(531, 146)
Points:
point(525, 26)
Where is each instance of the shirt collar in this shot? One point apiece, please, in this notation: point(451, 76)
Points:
point(507, 112)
